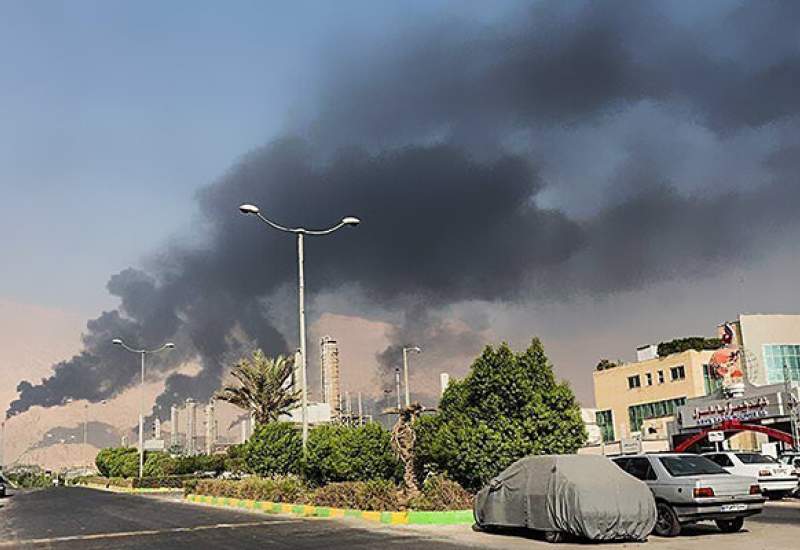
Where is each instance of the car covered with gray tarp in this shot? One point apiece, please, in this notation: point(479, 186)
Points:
point(582, 495)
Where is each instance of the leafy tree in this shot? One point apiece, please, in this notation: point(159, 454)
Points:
point(344, 453)
point(118, 462)
point(158, 464)
point(509, 406)
point(263, 388)
point(274, 449)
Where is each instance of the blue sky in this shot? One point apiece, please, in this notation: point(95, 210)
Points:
point(112, 114)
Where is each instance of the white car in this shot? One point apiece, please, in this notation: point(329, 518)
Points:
point(775, 480)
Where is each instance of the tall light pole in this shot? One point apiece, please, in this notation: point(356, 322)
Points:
point(415, 349)
point(142, 353)
point(301, 300)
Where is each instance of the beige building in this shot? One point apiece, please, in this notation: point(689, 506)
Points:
point(640, 398)
point(769, 342)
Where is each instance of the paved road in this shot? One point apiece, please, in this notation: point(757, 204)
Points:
point(83, 518)
point(87, 519)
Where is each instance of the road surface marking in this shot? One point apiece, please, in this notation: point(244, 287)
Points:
point(151, 532)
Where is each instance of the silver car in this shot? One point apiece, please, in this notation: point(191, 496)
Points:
point(690, 488)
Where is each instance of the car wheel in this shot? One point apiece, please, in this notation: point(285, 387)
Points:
point(775, 495)
point(730, 525)
point(554, 536)
point(667, 524)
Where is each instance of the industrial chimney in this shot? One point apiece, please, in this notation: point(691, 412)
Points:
point(329, 372)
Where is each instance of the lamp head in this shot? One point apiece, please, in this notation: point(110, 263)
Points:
point(117, 341)
point(169, 345)
point(249, 209)
point(351, 220)
point(417, 349)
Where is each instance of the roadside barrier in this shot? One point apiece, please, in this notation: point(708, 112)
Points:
point(410, 517)
point(129, 490)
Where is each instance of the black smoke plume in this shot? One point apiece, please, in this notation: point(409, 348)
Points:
point(473, 156)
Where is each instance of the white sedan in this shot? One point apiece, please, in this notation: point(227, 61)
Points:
point(774, 479)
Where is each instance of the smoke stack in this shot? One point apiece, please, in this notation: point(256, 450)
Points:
point(191, 422)
point(243, 435)
point(173, 422)
point(444, 380)
point(210, 423)
point(329, 370)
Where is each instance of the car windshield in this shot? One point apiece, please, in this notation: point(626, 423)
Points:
point(681, 466)
point(755, 458)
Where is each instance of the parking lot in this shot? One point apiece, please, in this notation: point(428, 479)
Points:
point(777, 527)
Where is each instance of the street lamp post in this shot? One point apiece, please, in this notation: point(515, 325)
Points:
point(300, 232)
point(415, 349)
point(142, 353)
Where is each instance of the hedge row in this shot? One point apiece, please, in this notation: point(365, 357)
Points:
point(168, 482)
point(380, 495)
point(124, 462)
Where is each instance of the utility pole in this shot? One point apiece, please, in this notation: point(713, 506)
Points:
point(792, 404)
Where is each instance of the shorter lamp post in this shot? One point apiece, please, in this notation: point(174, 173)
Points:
point(142, 353)
point(415, 349)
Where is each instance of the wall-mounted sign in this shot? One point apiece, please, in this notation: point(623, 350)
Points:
point(631, 446)
point(747, 409)
point(708, 413)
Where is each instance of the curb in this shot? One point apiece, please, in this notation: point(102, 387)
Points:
point(129, 490)
point(411, 517)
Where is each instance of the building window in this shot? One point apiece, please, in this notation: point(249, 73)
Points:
point(677, 373)
point(778, 355)
point(661, 377)
point(634, 382)
point(606, 424)
point(711, 381)
point(649, 378)
point(657, 409)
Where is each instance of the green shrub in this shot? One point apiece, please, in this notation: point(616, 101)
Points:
point(679, 345)
point(190, 486)
point(189, 465)
point(235, 459)
point(509, 406)
point(126, 482)
point(289, 489)
point(29, 480)
point(342, 453)
point(440, 493)
point(160, 482)
point(377, 494)
point(274, 449)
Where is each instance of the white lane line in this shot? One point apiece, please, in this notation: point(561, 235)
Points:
point(142, 533)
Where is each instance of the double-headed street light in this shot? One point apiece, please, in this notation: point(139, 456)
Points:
point(142, 353)
point(300, 232)
point(415, 349)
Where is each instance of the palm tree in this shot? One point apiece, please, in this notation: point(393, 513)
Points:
point(264, 387)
